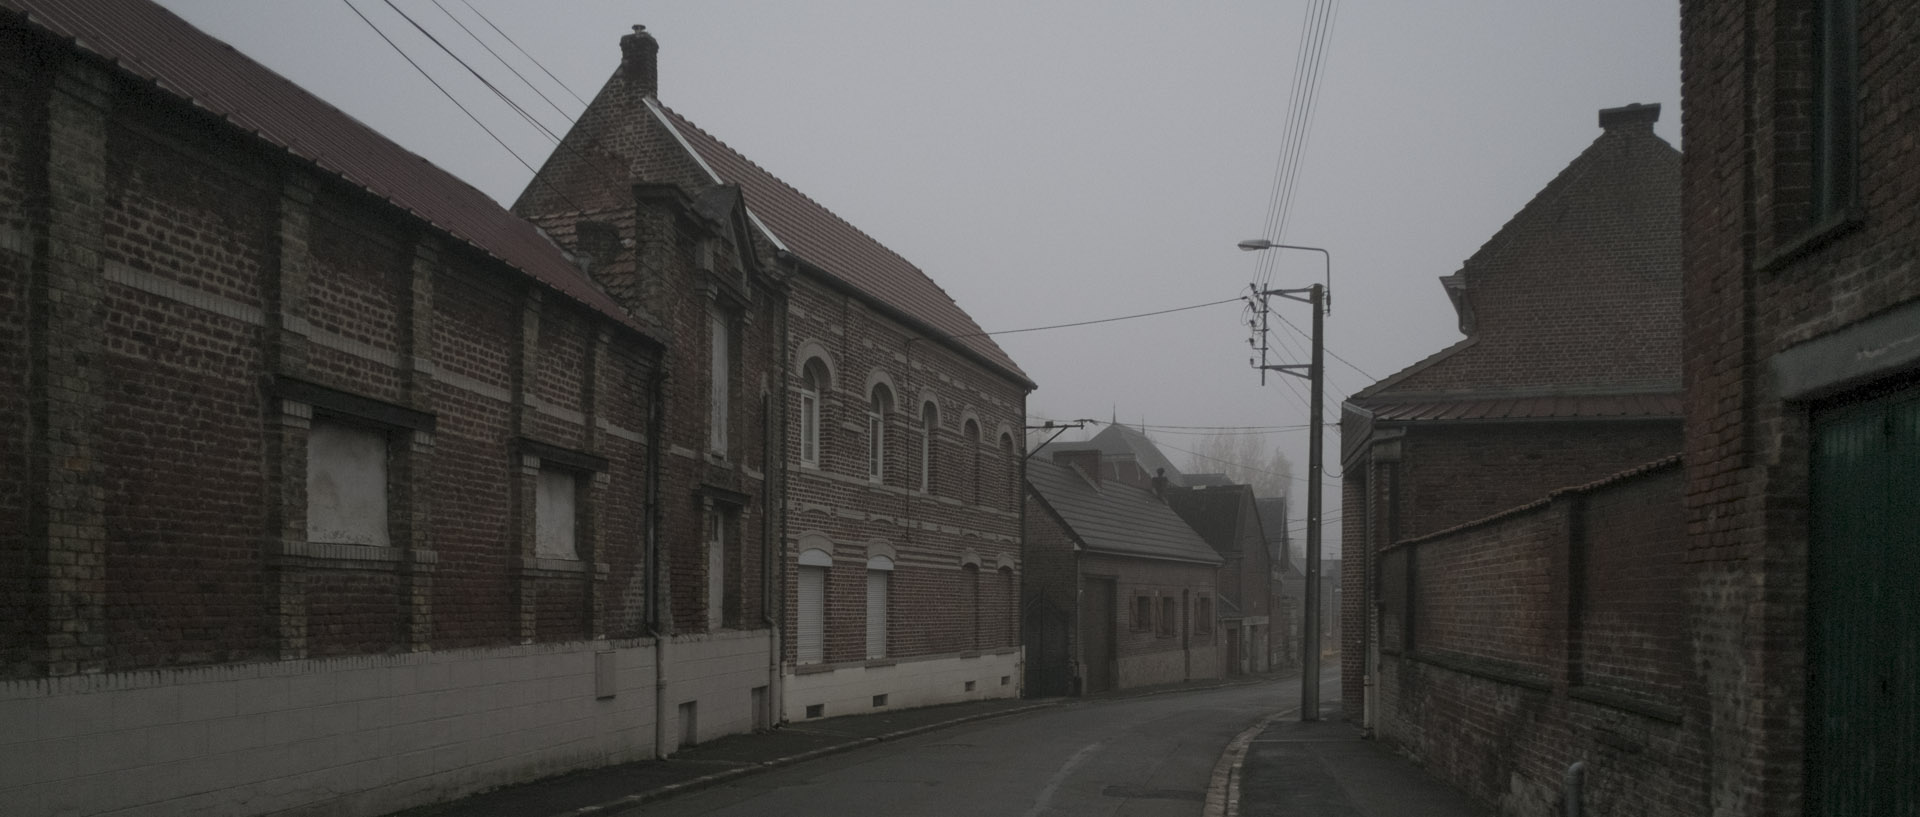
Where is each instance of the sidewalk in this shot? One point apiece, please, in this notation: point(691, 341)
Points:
point(623, 786)
point(1325, 769)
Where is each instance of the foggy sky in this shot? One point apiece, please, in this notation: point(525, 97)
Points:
point(1067, 161)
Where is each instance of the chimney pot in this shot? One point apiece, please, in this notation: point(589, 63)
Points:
point(640, 61)
point(1638, 114)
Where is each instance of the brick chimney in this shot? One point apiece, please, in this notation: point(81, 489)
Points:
point(640, 61)
point(1637, 115)
point(1088, 461)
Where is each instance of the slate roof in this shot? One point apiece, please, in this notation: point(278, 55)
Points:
point(1118, 440)
point(1115, 518)
point(155, 46)
point(798, 224)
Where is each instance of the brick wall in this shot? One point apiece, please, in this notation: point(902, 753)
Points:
point(1764, 276)
point(968, 515)
point(1452, 474)
point(1537, 639)
point(1149, 655)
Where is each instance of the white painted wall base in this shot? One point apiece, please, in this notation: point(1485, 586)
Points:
point(363, 735)
point(907, 683)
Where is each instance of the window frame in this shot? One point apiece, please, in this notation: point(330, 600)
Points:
point(1169, 624)
point(881, 568)
point(879, 405)
point(719, 381)
point(929, 425)
point(1141, 619)
point(812, 386)
point(1203, 615)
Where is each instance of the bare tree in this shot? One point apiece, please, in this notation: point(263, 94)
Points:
point(1247, 459)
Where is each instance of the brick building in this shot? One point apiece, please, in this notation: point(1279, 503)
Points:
point(897, 568)
point(1569, 371)
point(340, 487)
point(1802, 314)
point(1120, 591)
point(1225, 517)
point(1287, 585)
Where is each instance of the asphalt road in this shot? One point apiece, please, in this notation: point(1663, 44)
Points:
point(1149, 755)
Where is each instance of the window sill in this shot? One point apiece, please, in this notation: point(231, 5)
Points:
point(547, 567)
point(876, 663)
point(1813, 238)
point(337, 556)
point(812, 669)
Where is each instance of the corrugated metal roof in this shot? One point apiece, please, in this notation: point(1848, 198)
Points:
point(1620, 406)
point(813, 233)
point(154, 45)
point(1117, 518)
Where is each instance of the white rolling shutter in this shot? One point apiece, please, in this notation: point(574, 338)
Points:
point(809, 644)
point(877, 613)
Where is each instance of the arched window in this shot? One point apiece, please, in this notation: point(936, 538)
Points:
point(929, 421)
point(971, 432)
point(877, 410)
point(813, 384)
point(1011, 475)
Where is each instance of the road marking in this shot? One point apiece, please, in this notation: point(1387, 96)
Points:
point(1043, 802)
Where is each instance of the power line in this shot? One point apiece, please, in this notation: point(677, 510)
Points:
point(537, 124)
point(436, 84)
point(456, 102)
point(523, 52)
point(1092, 322)
point(502, 60)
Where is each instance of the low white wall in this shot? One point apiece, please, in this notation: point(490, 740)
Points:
point(362, 735)
point(719, 673)
point(907, 683)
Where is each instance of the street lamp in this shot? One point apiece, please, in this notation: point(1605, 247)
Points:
point(1253, 244)
point(1318, 297)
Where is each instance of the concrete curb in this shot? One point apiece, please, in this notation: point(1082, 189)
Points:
point(1223, 793)
point(706, 780)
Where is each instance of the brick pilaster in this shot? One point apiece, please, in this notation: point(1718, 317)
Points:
point(67, 519)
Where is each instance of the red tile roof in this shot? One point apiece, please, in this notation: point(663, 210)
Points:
point(154, 45)
point(826, 241)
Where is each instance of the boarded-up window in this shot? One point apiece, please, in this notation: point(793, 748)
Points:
point(716, 568)
point(1142, 613)
point(555, 514)
point(720, 380)
point(1203, 614)
point(346, 484)
point(1169, 616)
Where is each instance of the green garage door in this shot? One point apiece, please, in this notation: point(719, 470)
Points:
point(1863, 747)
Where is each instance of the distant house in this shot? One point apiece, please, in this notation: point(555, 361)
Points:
point(1288, 585)
point(1126, 455)
point(1120, 591)
point(1226, 518)
point(1569, 371)
point(890, 425)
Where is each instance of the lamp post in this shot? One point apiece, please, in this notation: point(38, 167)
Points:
point(1317, 296)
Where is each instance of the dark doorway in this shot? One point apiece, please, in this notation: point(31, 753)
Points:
point(1049, 664)
point(1096, 634)
point(1863, 597)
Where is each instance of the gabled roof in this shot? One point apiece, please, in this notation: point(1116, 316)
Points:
point(1577, 294)
point(1115, 518)
point(155, 46)
point(797, 224)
